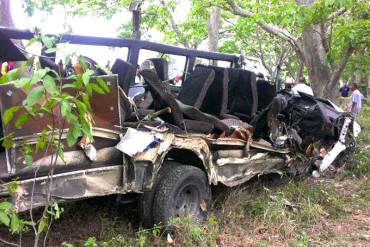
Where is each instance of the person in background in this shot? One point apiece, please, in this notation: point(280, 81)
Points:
point(344, 90)
point(60, 65)
point(356, 99)
point(108, 67)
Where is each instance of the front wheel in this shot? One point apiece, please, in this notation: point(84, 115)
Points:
point(182, 192)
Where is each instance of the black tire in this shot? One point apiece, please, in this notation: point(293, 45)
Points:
point(145, 202)
point(182, 191)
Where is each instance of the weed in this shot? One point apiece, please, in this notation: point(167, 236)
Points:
point(301, 239)
point(360, 162)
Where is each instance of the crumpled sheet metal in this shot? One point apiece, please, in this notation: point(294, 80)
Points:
point(235, 171)
point(199, 146)
point(69, 186)
point(195, 143)
point(154, 153)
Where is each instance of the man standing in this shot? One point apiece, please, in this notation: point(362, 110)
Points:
point(356, 99)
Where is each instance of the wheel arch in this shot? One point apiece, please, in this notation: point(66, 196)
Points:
point(187, 157)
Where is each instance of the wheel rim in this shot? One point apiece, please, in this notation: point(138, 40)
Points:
point(187, 202)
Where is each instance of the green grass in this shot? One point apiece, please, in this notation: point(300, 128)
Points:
point(360, 158)
point(261, 213)
point(269, 215)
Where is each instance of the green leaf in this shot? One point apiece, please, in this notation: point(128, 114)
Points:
point(38, 75)
point(82, 62)
point(69, 85)
point(65, 108)
point(28, 154)
point(89, 89)
point(24, 82)
point(34, 96)
point(51, 50)
point(49, 84)
point(48, 42)
point(71, 139)
point(85, 99)
point(103, 84)
point(32, 41)
point(8, 141)
point(3, 79)
point(12, 75)
point(8, 114)
point(72, 119)
point(28, 159)
point(4, 218)
point(86, 129)
point(49, 105)
point(96, 88)
point(22, 119)
point(61, 154)
point(76, 131)
point(5, 205)
point(81, 107)
point(15, 224)
point(86, 76)
point(41, 141)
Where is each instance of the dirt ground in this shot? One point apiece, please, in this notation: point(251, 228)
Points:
point(105, 219)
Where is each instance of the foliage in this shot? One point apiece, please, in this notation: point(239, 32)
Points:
point(154, 16)
point(360, 158)
point(66, 104)
point(243, 35)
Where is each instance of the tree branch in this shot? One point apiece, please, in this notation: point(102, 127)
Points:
point(9, 243)
point(340, 67)
point(175, 27)
point(262, 56)
point(339, 12)
point(270, 28)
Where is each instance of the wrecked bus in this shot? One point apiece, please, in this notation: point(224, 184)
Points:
point(169, 143)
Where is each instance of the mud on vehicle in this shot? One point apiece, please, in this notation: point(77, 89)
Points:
point(169, 143)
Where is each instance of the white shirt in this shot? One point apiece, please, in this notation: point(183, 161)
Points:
point(303, 88)
point(356, 98)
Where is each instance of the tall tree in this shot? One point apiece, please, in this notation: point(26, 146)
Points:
point(323, 34)
point(160, 15)
point(214, 25)
point(6, 19)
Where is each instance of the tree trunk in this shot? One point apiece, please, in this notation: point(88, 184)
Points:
point(214, 22)
point(136, 21)
point(314, 58)
point(5, 14)
point(368, 88)
point(314, 55)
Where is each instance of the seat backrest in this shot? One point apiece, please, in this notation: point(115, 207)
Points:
point(161, 66)
point(216, 98)
point(161, 94)
point(243, 92)
point(126, 73)
point(266, 93)
point(196, 85)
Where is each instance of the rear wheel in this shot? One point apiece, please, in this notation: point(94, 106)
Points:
point(182, 192)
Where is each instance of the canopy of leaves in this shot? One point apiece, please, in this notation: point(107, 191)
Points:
point(345, 22)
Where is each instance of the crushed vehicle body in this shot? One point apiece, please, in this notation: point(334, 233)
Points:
point(169, 143)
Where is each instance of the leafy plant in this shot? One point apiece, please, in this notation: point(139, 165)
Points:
point(67, 104)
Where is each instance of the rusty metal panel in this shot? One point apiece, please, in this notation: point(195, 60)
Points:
point(105, 109)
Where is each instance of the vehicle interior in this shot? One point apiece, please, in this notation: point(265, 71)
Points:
point(203, 98)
